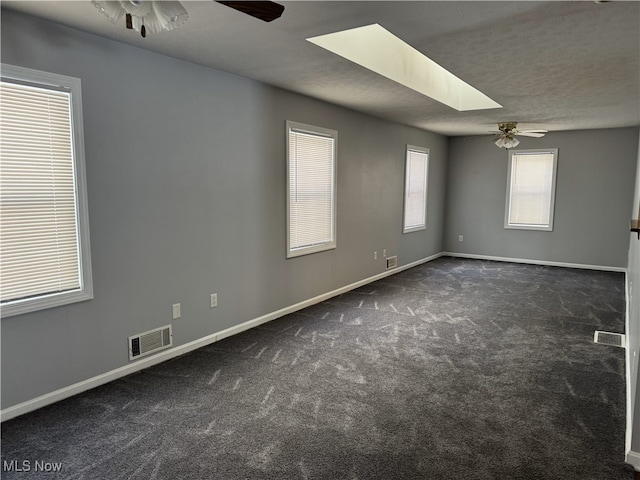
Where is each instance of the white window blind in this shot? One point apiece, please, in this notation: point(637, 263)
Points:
point(40, 244)
point(311, 189)
point(415, 190)
point(531, 189)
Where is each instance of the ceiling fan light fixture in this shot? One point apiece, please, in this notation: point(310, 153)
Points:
point(145, 15)
point(507, 141)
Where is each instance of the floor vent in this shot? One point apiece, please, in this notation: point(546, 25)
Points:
point(613, 339)
point(150, 342)
point(392, 262)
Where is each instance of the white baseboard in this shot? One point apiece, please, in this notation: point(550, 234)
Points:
point(633, 459)
point(535, 262)
point(76, 388)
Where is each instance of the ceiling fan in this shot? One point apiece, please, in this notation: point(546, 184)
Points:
point(505, 136)
point(155, 16)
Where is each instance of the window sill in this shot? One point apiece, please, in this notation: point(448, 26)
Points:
point(44, 302)
point(539, 228)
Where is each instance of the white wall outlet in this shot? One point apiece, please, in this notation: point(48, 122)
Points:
point(461, 238)
point(375, 255)
point(213, 300)
point(384, 252)
point(176, 311)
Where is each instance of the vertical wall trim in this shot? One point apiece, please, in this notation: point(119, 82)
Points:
point(627, 368)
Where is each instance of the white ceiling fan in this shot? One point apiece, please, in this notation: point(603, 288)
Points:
point(505, 136)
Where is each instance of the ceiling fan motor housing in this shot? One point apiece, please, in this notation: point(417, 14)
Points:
point(507, 127)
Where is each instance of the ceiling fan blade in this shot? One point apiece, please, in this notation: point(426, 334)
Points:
point(265, 11)
point(530, 134)
point(534, 131)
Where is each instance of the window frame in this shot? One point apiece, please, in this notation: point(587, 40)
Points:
point(552, 199)
point(293, 252)
point(53, 81)
point(407, 179)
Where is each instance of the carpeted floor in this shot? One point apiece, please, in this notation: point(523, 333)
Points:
point(456, 369)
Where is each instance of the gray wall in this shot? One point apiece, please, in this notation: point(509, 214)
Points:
point(595, 182)
point(633, 319)
point(186, 181)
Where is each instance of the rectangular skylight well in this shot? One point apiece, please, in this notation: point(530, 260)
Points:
point(380, 51)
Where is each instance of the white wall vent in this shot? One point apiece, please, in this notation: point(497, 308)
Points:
point(613, 339)
point(150, 342)
point(392, 262)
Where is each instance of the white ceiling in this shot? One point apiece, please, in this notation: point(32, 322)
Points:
point(552, 65)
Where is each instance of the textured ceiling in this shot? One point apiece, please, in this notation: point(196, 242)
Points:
point(552, 65)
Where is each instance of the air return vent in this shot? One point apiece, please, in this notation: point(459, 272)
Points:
point(150, 342)
point(613, 339)
point(392, 262)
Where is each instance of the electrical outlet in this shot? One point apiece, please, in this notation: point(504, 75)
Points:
point(176, 311)
point(384, 252)
point(460, 238)
point(375, 255)
point(213, 300)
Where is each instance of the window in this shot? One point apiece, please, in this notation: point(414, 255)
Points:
point(44, 234)
point(311, 192)
point(531, 189)
point(415, 189)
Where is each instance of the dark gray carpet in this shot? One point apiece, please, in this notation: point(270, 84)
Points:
point(457, 369)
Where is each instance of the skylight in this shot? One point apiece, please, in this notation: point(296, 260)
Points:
point(379, 50)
